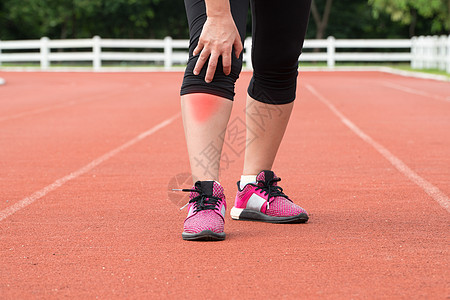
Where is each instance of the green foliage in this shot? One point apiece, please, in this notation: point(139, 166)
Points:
point(353, 19)
point(32, 19)
point(86, 18)
point(405, 11)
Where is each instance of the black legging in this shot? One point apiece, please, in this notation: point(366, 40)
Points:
point(278, 32)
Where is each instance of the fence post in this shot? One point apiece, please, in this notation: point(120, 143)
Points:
point(435, 52)
point(168, 52)
point(426, 48)
point(97, 52)
point(448, 55)
point(248, 53)
point(331, 50)
point(44, 53)
point(413, 62)
point(429, 47)
point(441, 49)
point(420, 52)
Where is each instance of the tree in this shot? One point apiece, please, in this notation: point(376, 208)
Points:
point(407, 11)
point(85, 18)
point(33, 19)
point(353, 19)
point(321, 21)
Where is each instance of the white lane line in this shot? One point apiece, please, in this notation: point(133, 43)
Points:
point(414, 91)
point(58, 183)
point(430, 189)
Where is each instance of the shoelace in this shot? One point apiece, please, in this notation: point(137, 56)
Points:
point(202, 201)
point(271, 190)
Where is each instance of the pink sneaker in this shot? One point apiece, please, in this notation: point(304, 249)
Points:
point(266, 202)
point(206, 214)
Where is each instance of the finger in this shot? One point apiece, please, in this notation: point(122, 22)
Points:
point(201, 61)
point(226, 61)
point(238, 47)
point(212, 65)
point(199, 48)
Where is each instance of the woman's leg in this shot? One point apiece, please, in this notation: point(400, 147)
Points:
point(205, 118)
point(266, 125)
point(206, 107)
point(279, 29)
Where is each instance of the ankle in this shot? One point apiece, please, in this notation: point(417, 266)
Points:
point(246, 179)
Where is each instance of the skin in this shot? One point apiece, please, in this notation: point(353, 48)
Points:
point(265, 140)
point(204, 133)
point(202, 106)
point(218, 37)
point(204, 122)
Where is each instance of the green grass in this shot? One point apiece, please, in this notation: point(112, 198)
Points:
point(399, 66)
point(428, 71)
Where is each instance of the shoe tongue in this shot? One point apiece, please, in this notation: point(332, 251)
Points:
point(207, 187)
point(266, 176)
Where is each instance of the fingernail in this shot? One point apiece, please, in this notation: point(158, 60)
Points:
point(195, 72)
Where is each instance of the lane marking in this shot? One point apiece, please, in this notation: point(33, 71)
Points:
point(413, 91)
point(58, 183)
point(429, 188)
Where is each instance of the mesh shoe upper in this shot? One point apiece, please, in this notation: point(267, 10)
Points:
point(279, 205)
point(206, 208)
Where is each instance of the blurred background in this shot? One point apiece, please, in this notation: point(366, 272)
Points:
point(69, 19)
point(99, 34)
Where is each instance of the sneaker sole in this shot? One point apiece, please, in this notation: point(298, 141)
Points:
point(205, 235)
point(252, 215)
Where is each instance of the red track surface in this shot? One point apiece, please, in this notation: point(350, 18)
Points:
point(111, 231)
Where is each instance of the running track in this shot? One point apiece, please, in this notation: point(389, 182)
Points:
point(86, 158)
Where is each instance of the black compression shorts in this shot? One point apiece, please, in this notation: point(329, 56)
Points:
point(278, 32)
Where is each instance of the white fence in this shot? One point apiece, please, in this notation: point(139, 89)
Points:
point(420, 52)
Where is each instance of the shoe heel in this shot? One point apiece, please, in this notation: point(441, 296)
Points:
point(235, 213)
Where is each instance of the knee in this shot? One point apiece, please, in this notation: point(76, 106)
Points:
point(275, 82)
point(222, 85)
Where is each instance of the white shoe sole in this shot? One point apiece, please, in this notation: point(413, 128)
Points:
point(253, 215)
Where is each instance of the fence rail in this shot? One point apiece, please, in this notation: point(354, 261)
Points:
point(421, 52)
